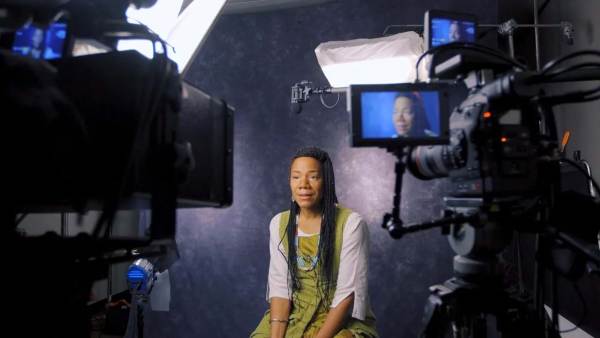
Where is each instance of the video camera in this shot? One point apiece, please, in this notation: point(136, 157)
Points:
point(500, 144)
point(500, 151)
point(127, 114)
point(88, 127)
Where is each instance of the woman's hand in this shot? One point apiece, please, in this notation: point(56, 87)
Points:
point(336, 318)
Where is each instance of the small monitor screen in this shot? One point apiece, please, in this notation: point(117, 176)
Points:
point(442, 27)
point(447, 30)
point(397, 115)
point(38, 43)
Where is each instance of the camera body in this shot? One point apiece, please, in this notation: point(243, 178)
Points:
point(130, 128)
point(98, 130)
point(494, 145)
point(500, 155)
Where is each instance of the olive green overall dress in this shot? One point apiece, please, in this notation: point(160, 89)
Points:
point(309, 307)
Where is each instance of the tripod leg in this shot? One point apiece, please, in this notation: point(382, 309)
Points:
point(435, 319)
point(480, 327)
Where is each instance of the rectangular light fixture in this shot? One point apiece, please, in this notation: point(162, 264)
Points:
point(389, 59)
point(191, 28)
point(160, 18)
point(184, 31)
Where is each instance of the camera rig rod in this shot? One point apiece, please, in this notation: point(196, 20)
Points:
point(573, 76)
point(398, 232)
point(576, 245)
point(392, 221)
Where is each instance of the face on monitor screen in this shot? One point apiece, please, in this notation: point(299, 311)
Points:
point(396, 114)
point(447, 30)
point(406, 114)
point(38, 43)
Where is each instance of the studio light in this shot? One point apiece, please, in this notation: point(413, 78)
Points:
point(140, 276)
point(191, 29)
point(389, 59)
point(183, 31)
point(160, 18)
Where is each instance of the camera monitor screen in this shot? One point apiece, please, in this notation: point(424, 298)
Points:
point(397, 115)
point(38, 43)
point(446, 27)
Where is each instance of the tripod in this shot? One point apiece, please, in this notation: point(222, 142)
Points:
point(474, 304)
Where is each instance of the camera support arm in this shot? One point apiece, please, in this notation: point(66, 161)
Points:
point(577, 246)
point(453, 218)
point(392, 221)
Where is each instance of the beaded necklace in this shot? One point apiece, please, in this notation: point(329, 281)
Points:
point(306, 262)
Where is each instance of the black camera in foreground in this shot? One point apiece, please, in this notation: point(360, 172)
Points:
point(87, 127)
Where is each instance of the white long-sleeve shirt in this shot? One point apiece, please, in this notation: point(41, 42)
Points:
point(352, 274)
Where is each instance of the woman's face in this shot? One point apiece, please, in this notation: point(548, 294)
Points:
point(306, 182)
point(37, 38)
point(454, 32)
point(403, 115)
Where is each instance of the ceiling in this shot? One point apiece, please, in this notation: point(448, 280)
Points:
point(248, 6)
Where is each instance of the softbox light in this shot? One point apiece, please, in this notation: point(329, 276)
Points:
point(390, 59)
point(184, 31)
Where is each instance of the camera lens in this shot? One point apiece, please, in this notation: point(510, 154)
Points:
point(428, 162)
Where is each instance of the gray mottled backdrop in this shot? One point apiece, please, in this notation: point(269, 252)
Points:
point(219, 284)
